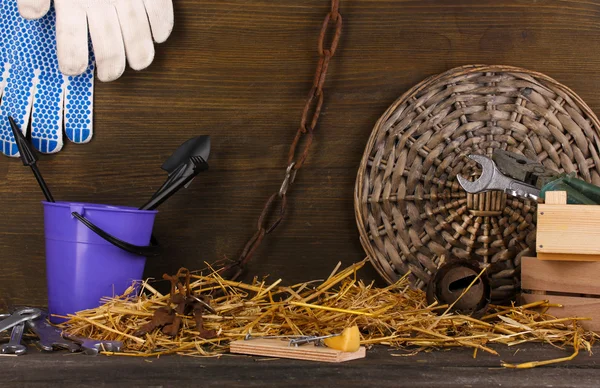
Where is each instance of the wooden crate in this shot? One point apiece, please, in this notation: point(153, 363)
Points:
point(576, 286)
point(567, 232)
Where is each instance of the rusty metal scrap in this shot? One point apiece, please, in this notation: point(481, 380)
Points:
point(163, 316)
point(169, 319)
point(198, 309)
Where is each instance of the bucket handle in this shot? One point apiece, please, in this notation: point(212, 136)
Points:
point(149, 250)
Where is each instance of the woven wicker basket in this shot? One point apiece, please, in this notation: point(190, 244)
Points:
point(411, 212)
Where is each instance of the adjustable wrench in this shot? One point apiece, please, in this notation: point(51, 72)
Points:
point(492, 179)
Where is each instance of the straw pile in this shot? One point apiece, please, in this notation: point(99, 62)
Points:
point(396, 316)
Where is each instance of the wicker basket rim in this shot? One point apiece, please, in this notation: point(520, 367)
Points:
point(461, 70)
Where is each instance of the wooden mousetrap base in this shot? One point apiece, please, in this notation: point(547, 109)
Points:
point(281, 349)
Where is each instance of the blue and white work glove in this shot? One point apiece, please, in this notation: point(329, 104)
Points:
point(118, 29)
point(31, 85)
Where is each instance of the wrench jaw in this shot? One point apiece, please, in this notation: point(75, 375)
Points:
point(14, 346)
point(50, 337)
point(468, 186)
point(492, 179)
point(482, 183)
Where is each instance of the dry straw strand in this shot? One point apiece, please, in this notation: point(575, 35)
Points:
point(397, 316)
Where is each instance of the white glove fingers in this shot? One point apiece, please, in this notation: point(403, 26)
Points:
point(79, 97)
point(71, 38)
point(136, 33)
point(160, 15)
point(107, 41)
point(33, 9)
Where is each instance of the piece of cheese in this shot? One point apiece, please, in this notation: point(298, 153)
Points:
point(349, 341)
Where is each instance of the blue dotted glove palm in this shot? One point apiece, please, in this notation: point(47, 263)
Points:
point(32, 86)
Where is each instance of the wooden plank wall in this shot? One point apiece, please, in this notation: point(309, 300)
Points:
point(239, 71)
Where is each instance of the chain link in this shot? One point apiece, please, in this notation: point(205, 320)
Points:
point(290, 175)
point(308, 122)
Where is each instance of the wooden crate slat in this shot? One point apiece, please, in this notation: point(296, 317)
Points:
point(568, 229)
point(566, 257)
point(573, 307)
point(560, 276)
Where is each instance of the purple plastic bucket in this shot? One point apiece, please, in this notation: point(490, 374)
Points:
point(81, 266)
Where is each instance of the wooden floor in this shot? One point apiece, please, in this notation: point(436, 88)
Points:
point(454, 368)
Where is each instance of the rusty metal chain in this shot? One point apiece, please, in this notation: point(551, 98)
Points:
point(308, 122)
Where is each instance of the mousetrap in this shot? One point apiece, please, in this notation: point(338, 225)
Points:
point(282, 349)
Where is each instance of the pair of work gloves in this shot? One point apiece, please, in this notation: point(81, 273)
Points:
point(48, 55)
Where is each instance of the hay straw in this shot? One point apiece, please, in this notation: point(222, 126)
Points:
point(397, 316)
point(314, 306)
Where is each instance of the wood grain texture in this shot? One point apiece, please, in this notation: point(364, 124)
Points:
point(556, 198)
point(573, 306)
point(571, 229)
point(239, 71)
point(560, 276)
point(452, 368)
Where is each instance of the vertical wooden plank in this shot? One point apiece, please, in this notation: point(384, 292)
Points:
point(556, 198)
